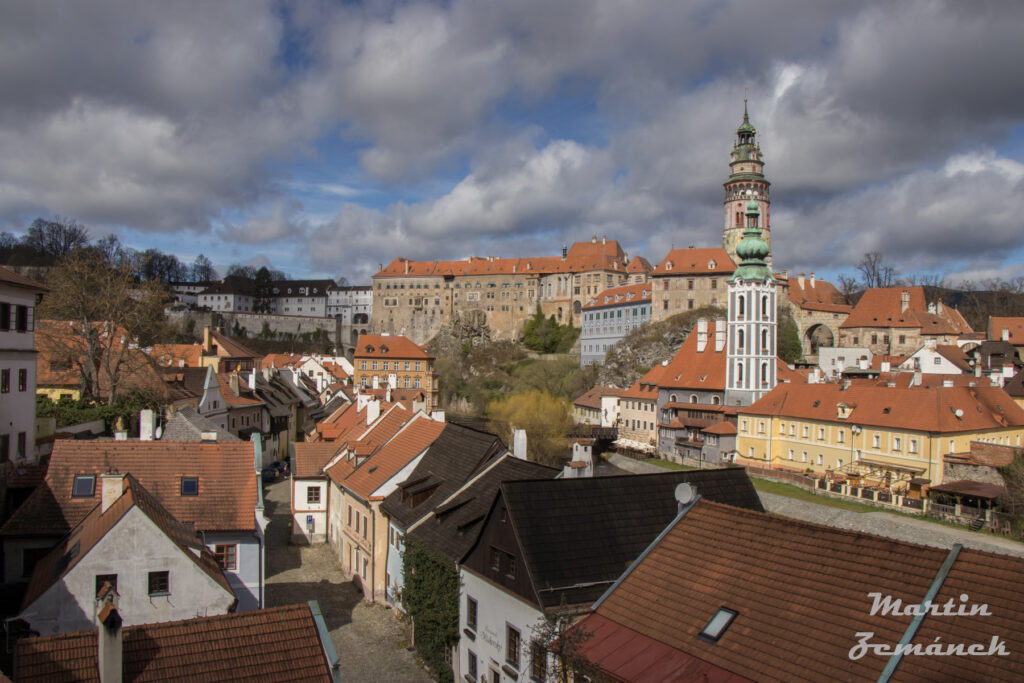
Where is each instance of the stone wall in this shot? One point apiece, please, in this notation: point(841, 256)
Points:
point(982, 473)
point(252, 323)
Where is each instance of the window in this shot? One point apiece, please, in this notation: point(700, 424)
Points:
point(510, 567)
point(84, 486)
point(716, 628)
point(190, 486)
point(538, 662)
point(5, 381)
point(22, 379)
point(913, 445)
point(5, 447)
point(512, 646)
point(313, 495)
point(159, 583)
point(821, 460)
point(105, 578)
point(782, 429)
point(21, 445)
point(495, 558)
point(803, 457)
point(471, 664)
point(350, 515)
point(897, 443)
point(225, 555)
point(875, 441)
point(821, 433)
point(790, 453)
point(471, 613)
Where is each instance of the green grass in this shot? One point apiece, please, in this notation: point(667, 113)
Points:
point(791, 491)
point(668, 465)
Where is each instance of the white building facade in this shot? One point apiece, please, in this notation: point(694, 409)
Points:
point(19, 297)
point(610, 316)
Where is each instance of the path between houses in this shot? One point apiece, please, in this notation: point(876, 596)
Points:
point(899, 527)
point(369, 640)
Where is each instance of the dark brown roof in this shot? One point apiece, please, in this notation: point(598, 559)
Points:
point(582, 533)
point(975, 489)
point(231, 348)
point(803, 592)
point(10, 277)
point(592, 398)
point(279, 644)
point(450, 461)
point(95, 526)
point(452, 528)
point(228, 483)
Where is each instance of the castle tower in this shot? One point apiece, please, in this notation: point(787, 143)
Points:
point(751, 356)
point(746, 182)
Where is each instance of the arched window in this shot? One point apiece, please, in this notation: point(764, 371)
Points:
point(764, 341)
point(764, 306)
point(671, 398)
point(714, 400)
point(693, 398)
point(742, 302)
point(739, 340)
point(764, 373)
point(739, 372)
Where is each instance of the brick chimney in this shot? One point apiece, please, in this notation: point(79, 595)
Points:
point(702, 335)
point(904, 301)
point(372, 410)
point(111, 488)
point(719, 335)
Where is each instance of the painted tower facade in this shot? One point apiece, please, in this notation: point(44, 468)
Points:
point(751, 369)
point(746, 183)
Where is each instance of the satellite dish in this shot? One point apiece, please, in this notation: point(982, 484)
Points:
point(685, 493)
point(159, 432)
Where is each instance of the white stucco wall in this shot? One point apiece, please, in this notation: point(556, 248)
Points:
point(16, 354)
point(302, 510)
point(496, 609)
point(250, 570)
point(132, 549)
point(396, 546)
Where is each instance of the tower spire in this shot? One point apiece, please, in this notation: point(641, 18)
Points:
point(746, 182)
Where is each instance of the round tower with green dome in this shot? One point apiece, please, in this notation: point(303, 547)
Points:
point(746, 183)
point(751, 363)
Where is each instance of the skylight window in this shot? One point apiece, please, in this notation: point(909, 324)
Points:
point(84, 486)
point(190, 486)
point(719, 623)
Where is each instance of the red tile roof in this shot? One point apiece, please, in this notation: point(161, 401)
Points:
point(928, 409)
point(412, 440)
point(882, 307)
point(638, 264)
point(228, 484)
point(177, 355)
point(626, 294)
point(280, 360)
point(87, 533)
point(646, 388)
point(232, 399)
point(311, 458)
point(1015, 327)
point(817, 295)
point(279, 644)
point(802, 594)
point(592, 398)
point(693, 369)
point(341, 421)
point(712, 261)
point(390, 346)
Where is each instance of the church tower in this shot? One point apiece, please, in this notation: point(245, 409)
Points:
point(746, 182)
point(751, 359)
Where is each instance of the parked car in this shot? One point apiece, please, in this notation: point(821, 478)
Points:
point(269, 473)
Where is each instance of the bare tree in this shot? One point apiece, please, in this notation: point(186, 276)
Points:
point(558, 641)
point(100, 314)
point(874, 272)
point(56, 238)
point(202, 270)
point(847, 287)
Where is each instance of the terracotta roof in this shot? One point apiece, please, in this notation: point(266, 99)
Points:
point(882, 307)
point(693, 369)
point(646, 388)
point(231, 348)
point(802, 594)
point(87, 533)
point(228, 483)
point(638, 264)
point(279, 644)
point(454, 457)
point(918, 408)
point(391, 346)
point(1015, 326)
point(725, 428)
point(621, 296)
point(954, 355)
point(817, 295)
point(176, 355)
point(340, 421)
point(311, 458)
point(280, 360)
point(577, 535)
point(581, 257)
point(592, 398)
point(711, 261)
point(231, 398)
point(10, 277)
point(413, 439)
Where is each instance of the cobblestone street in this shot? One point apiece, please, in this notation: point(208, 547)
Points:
point(370, 641)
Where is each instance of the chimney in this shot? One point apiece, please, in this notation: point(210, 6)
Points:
point(208, 437)
point(800, 280)
point(519, 443)
point(111, 488)
point(938, 306)
point(977, 370)
point(917, 378)
point(1007, 371)
point(565, 251)
point(407, 267)
point(1006, 334)
point(147, 425)
point(233, 383)
point(702, 335)
point(904, 301)
point(785, 274)
point(376, 382)
point(206, 339)
point(719, 335)
point(886, 366)
point(947, 384)
point(387, 393)
point(372, 410)
point(109, 644)
point(812, 279)
point(604, 239)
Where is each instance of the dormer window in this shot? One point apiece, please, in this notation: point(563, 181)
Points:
point(84, 486)
point(190, 486)
point(711, 264)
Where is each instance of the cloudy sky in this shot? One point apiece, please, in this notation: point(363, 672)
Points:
point(325, 137)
